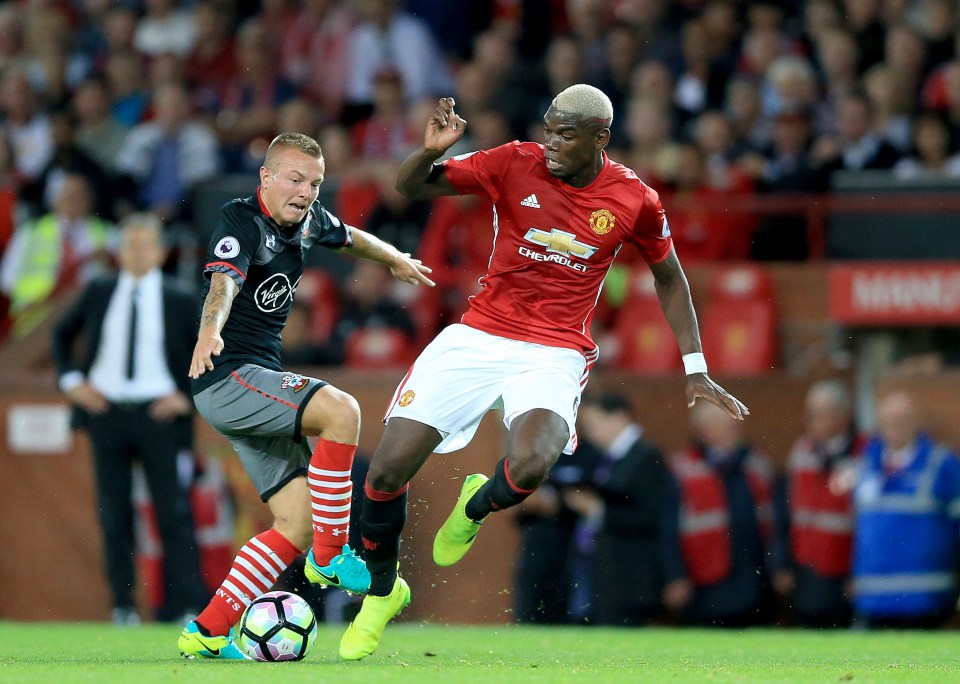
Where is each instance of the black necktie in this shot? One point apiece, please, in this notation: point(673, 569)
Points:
point(132, 335)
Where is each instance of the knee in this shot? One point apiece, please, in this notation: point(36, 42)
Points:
point(530, 464)
point(383, 478)
point(344, 415)
point(334, 415)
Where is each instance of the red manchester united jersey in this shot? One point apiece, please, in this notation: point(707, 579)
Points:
point(552, 243)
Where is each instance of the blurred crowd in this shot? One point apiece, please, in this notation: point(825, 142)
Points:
point(140, 105)
point(112, 108)
point(846, 530)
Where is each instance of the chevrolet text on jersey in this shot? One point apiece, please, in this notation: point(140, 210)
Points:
point(552, 258)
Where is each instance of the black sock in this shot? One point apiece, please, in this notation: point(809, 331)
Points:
point(381, 523)
point(293, 580)
point(496, 494)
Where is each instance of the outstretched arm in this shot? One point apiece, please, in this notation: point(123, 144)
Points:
point(216, 309)
point(419, 177)
point(674, 294)
point(402, 265)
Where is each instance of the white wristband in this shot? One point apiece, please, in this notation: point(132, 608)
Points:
point(694, 363)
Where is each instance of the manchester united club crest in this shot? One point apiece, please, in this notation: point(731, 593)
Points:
point(293, 381)
point(407, 398)
point(601, 221)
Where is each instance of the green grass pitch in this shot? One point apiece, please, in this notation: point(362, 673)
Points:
point(101, 654)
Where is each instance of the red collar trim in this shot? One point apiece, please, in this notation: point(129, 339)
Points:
point(263, 207)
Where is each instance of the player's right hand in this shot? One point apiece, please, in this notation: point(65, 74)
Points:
point(209, 344)
point(444, 128)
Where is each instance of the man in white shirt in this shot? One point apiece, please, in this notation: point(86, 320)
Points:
point(129, 391)
point(393, 39)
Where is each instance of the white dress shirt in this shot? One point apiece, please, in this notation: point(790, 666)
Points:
point(408, 46)
point(624, 442)
point(152, 378)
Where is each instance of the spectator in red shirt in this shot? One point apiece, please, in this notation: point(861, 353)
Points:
point(701, 229)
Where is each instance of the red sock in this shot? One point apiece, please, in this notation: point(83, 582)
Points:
point(254, 571)
point(331, 492)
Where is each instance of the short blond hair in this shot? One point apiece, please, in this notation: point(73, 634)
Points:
point(589, 104)
point(295, 141)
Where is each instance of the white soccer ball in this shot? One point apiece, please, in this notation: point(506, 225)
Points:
point(278, 626)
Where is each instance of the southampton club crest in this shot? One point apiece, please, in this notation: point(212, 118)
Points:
point(602, 221)
point(293, 381)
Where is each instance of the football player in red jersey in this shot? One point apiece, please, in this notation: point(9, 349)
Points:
point(562, 211)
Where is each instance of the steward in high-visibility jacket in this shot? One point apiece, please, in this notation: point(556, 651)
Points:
point(906, 543)
point(820, 525)
point(718, 531)
point(45, 258)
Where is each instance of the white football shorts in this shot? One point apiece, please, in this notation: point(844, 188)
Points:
point(465, 372)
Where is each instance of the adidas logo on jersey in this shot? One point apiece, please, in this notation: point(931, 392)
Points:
point(531, 202)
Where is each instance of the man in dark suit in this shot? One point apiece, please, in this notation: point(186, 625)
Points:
point(623, 505)
point(546, 581)
point(130, 390)
point(857, 146)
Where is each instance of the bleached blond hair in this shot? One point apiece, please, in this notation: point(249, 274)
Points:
point(590, 104)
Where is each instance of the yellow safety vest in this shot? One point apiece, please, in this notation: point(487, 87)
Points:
point(40, 266)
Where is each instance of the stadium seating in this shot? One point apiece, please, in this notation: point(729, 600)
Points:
point(320, 289)
point(643, 340)
point(739, 327)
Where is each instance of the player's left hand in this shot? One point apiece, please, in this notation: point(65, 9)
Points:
point(165, 409)
point(410, 270)
point(700, 385)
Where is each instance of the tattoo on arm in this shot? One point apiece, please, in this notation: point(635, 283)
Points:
point(216, 307)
